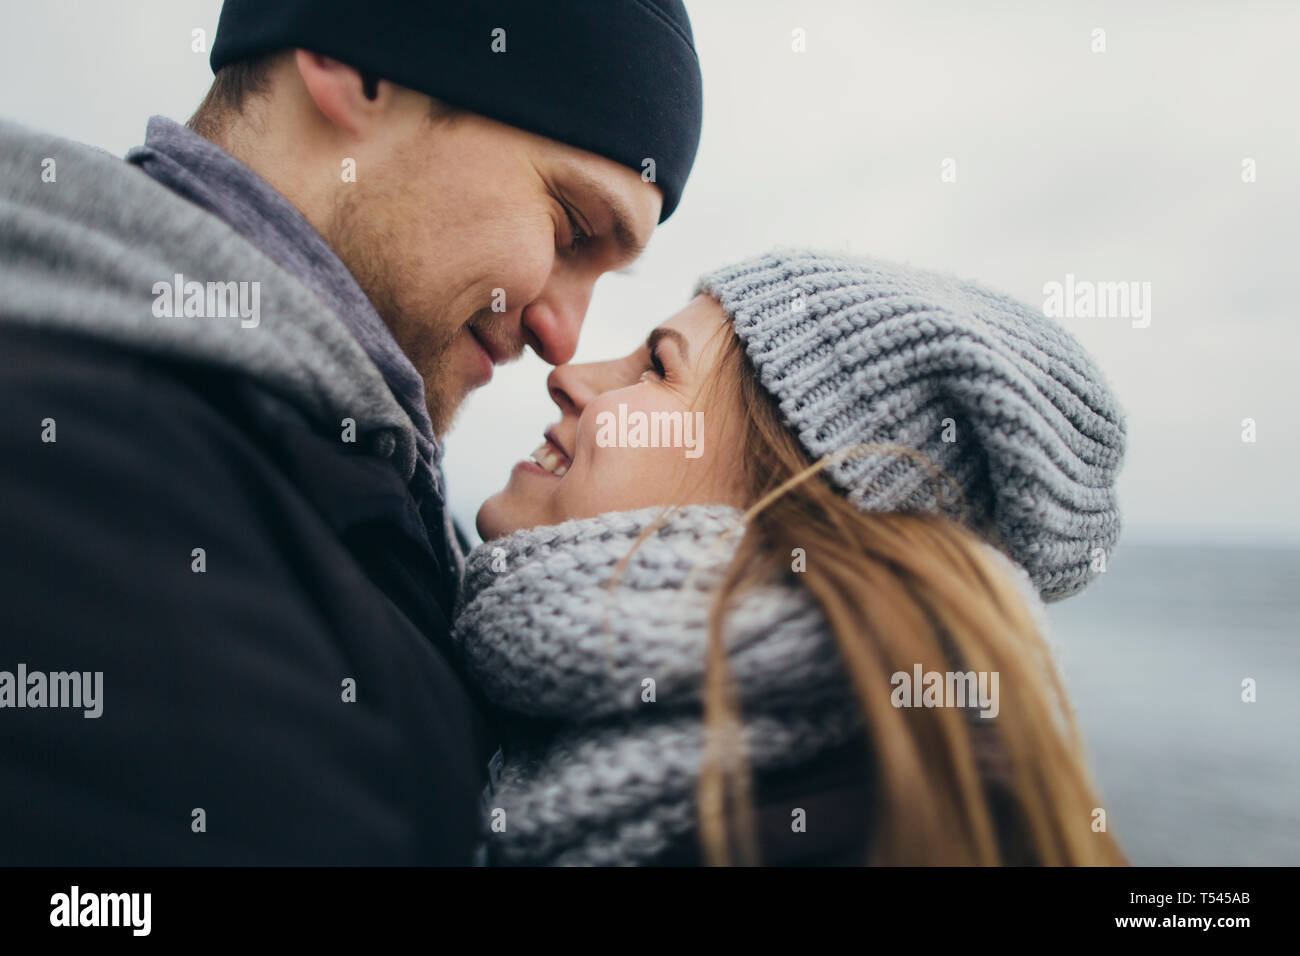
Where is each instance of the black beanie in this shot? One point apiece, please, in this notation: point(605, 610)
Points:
point(618, 78)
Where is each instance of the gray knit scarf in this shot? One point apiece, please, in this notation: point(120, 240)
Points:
point(600, 690)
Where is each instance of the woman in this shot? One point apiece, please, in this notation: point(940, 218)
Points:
point(785, 631)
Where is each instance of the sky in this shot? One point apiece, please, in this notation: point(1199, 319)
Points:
point(1122, 165)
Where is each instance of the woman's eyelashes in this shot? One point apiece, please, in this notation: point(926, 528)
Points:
point(655, 366)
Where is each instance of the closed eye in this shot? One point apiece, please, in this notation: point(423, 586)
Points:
point(655, 365)
point(581, 237)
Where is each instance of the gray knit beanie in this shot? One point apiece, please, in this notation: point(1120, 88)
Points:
point(1000, 398)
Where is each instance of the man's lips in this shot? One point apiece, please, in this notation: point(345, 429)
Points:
point(483, 374)
point(497, 353)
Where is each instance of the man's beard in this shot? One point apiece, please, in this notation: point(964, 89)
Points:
point(370, 252)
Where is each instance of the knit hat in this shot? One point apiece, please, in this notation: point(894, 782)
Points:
point(618, 78)
point(999, 397)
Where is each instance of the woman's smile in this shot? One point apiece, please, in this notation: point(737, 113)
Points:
point(635, 430)
point(551, 458)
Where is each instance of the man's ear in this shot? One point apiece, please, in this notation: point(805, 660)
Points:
point(345, 96)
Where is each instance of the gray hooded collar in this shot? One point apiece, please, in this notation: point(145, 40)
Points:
point(88, 243)
point(205, 174)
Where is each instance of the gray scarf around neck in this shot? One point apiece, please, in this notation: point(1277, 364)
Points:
point(599, 690)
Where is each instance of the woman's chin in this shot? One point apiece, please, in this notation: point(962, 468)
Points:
point(525, 502)
point(491, 521)
point(506, 512)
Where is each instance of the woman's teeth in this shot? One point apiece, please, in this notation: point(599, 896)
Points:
point(550, 459)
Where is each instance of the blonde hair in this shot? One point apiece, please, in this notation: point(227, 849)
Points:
point(897, 590)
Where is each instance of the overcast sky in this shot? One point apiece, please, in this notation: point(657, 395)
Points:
point(1117, 166)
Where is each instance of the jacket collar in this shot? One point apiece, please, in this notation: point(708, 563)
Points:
point(211, 178)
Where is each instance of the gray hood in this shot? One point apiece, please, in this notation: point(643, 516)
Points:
point(84, 253)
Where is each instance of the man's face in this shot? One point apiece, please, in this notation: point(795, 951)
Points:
point(474, 239)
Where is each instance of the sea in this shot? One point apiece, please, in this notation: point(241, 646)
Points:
point(1161, 656)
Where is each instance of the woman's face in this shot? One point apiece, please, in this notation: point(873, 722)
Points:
point(633, 433)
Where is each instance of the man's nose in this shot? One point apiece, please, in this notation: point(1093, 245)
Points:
point(551, 323)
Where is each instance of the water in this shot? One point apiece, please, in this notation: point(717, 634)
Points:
point(1154, 654)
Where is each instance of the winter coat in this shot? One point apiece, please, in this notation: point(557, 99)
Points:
point(212, 513)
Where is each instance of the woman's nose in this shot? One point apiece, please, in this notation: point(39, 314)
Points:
point(568, 389)
point(572, 387)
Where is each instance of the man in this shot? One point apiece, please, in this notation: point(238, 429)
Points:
point(226, 369)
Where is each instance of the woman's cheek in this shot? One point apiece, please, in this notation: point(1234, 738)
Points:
point(599, 481)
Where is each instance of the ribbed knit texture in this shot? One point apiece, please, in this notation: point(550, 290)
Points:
point(593, 773)
point(998, 396)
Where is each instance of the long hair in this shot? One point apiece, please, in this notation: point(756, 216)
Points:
point(899, 590)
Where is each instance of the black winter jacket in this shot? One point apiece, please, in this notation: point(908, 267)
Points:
point(223, 690)
point(285, 696)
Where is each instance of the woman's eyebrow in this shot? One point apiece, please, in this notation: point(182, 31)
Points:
point(663, 332)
